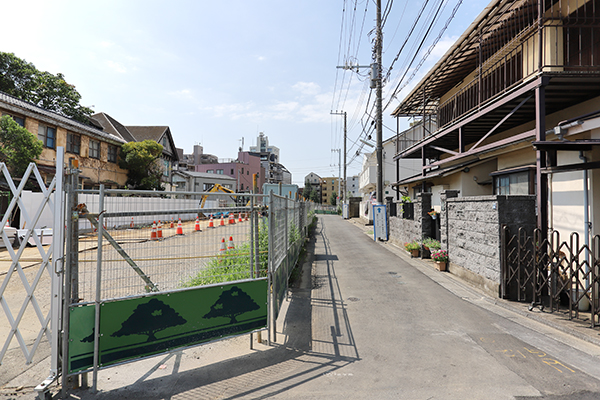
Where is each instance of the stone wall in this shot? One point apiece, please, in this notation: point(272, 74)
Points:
point(473, 224)
point(406, 230)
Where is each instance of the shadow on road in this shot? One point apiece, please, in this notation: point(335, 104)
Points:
point(308, 352)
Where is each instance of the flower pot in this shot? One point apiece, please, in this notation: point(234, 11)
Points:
point(441, 265)
point(414, 253)
point(434, 216)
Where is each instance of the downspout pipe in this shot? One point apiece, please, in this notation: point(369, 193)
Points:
point(586, 217)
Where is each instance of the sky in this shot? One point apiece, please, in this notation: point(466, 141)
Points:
point(217, 72)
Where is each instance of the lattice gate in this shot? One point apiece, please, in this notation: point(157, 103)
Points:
point(47, 308)
point(551, 273)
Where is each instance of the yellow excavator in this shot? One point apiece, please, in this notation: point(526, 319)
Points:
point(215, 188)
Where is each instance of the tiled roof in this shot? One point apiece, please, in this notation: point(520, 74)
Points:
point(142, 133)
point(31, 110)
point(113, 126)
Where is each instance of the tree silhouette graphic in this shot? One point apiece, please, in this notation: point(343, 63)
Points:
point(149, 318)
point(231, 303)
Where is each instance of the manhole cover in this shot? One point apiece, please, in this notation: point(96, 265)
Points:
point(353, 299)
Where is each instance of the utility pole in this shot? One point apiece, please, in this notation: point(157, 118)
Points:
point(339, 169)
point(378, 47)
point(344, 189)
point(376, 73)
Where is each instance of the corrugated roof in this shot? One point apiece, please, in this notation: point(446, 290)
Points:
point(31, 110)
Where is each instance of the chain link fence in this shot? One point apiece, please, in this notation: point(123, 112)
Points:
point(161, 241)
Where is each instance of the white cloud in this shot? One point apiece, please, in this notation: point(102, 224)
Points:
point(185, 94)
point(307, 88)
point(260, 58)
point(442, 47)
point(115, 66)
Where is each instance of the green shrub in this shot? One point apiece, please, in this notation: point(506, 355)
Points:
point(234, 264)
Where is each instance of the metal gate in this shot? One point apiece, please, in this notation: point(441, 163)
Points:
point(47, 309)
point(551, 273)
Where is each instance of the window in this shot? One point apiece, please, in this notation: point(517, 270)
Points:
point(242, 170)
point(47, 135)
point(112, 153)
point(220, 171)
point(166, 167)
point(94, 149)
point(19, 120)
point(518, 182)
point(231, 171)
point(73, 143)
point(207, 186)
point(210, 171)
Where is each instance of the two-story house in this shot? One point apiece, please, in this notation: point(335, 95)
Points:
point(159, 134)
point(96, 151)
point(516, 110)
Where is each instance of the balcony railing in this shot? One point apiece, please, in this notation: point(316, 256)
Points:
point(510, 54)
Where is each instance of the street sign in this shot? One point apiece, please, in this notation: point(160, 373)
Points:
point(380, 228)
point(345, 211)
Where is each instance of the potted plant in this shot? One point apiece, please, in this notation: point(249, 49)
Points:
point(429, 245)
point(433, 214)
point(441, 259)
point(413, 248)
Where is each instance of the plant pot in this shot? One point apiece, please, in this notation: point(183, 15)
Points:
point(414, 253)
point(441, 265)
point(434, 216)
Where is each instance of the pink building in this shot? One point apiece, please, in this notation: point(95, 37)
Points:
point(242, 169)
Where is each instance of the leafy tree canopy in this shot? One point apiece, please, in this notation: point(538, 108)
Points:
point(141, 159)
point(18, 147)
point(23, 80)
point(333, 199)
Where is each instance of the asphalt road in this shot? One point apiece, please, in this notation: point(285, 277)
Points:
point(366, 323)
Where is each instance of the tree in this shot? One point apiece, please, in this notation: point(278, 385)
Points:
point(18, 147)
point(141, 159)
point(149, 318)
point(308, 189)
point(231, 303)
point(333, 199)
point(23, 80)
point(315, 197)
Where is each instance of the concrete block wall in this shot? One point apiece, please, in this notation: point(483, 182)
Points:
point(473, 225)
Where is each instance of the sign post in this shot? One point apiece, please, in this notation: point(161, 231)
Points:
point(380, 228)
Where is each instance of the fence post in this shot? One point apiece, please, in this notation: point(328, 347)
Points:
point(271, 296)
point(58, 252)
point(71, 290)
point(98, 290)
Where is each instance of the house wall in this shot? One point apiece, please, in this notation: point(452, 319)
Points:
point(567, 197)
point(93, 171)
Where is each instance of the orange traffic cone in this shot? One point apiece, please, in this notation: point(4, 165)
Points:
point(197, 226)
point(231, 219)
point(179, 228)
point(222, 245)
point(172, 224)
point(131, 223)
point(222, 221)
point(246, 216)
point(153, 232)
point(240, 217)
point(159, 230)
point(230, 246)
point(210, 223)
